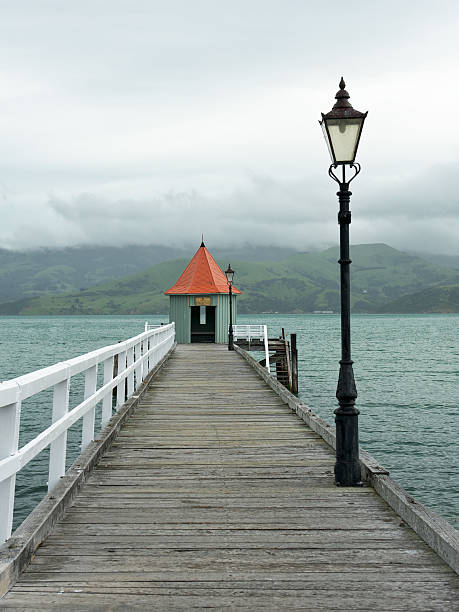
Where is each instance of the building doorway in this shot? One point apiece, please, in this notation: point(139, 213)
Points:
point(202, 323)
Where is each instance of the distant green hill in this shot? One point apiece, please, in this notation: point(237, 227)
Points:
point(26, 274)
point(303, 282)
point(438, 299)
point(135, 294)
point(51, 271)
point(309, 282)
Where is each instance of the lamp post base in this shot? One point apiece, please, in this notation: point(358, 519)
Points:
point(347, 466)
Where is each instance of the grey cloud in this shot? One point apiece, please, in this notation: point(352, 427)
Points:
point(267, 212)
point(153, 121)
point(428, 194)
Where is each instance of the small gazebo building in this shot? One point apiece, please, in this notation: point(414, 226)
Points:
point(199, 301)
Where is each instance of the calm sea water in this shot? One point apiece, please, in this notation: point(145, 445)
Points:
point(406, 369)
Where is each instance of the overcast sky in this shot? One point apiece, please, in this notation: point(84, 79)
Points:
point(126, 121)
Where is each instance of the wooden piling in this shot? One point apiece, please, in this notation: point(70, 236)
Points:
point(294, 359)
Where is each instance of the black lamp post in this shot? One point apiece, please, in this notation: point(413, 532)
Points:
point(342, 128)
point(229, 277)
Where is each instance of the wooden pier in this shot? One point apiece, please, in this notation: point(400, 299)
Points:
point(216, 495)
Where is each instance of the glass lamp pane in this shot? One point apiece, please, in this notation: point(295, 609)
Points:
point(327, 140)
point(344, 136)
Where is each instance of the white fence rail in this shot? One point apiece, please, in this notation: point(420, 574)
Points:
point(135, 357)
point(253, 332)
point(149, 326)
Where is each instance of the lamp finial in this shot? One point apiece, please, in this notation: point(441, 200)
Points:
point(342, 97)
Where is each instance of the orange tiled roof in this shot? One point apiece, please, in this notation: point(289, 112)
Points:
point(202, 275)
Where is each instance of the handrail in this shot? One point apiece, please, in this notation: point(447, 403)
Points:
point(136, 357)
point(249, 331)
point(253, 332)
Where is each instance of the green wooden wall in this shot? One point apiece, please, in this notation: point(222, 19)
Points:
point(180, 313)
point(222, 317)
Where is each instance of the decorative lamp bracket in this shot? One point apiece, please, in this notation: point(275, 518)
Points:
point(343, 181)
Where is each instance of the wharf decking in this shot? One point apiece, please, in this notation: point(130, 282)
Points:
point(216, 495)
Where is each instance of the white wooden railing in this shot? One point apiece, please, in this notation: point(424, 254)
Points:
point(253, 332)
point(149, 326)
point(135, 357)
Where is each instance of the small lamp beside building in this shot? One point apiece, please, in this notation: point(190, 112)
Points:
point(199, 302)
point(229, 273)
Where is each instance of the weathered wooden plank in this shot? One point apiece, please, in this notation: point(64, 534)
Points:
point(139, 545)
point(212, 517)
point(194, 444)
point(311, 469)
point(338, 585)
point(206, 436)
point(230, 503)
point(254, 467)
point(284, 600)
point(305, 574)
point(206, 455)
point(194, 489)
point(153, 527)
point(214, 511)
point(204, 427)
point(286, 559)
point(216, 537)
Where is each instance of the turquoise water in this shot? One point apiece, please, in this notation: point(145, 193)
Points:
point(406, 369)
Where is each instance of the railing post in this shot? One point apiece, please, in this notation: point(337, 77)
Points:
point(130, 378)
point(90, 384)
point(144, 359)
point(9, 439)
point(148, 350)
point(154, 350)
point(121, 388)
point(58, 448)
point(139, 368)
point(107, 401)
point(157, 352)
point(266, 341)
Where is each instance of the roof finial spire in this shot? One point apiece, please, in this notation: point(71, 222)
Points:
point(202, 240)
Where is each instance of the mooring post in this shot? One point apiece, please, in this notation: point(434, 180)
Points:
point(294, 363)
